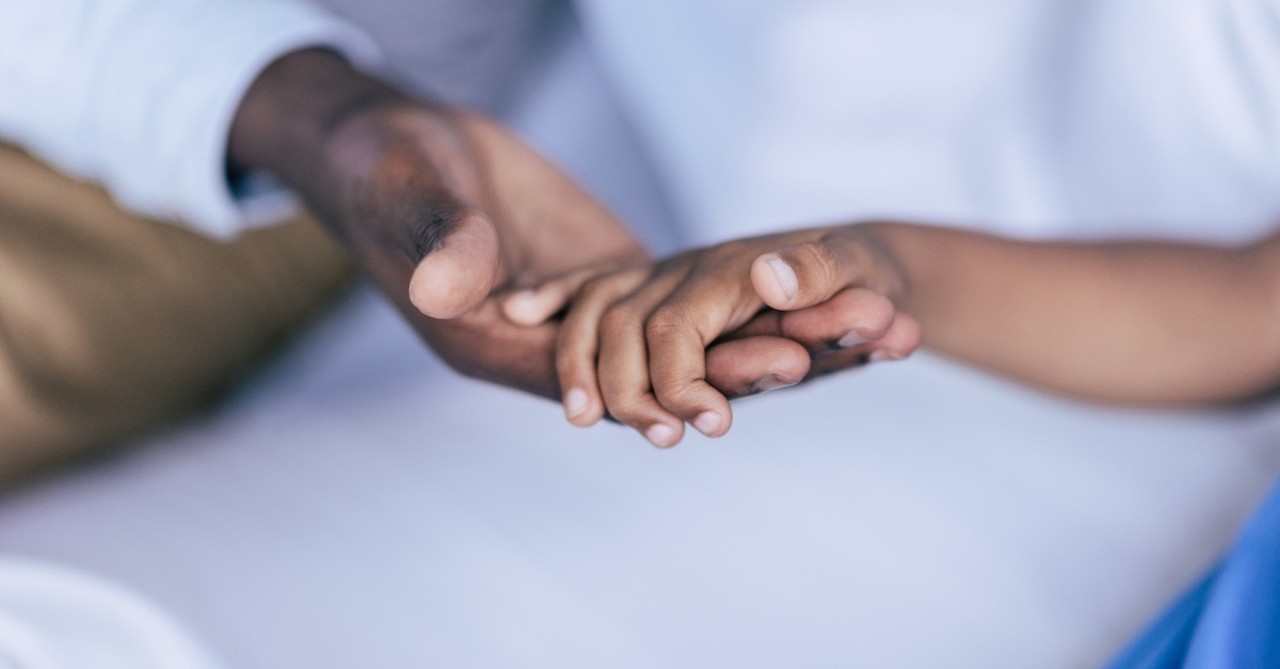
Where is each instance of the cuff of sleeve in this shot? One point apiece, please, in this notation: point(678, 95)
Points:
point(183, 132)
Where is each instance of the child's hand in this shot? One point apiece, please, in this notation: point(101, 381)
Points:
point(635, 340)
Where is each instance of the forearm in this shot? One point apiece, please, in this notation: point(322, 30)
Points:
point(1129, 322)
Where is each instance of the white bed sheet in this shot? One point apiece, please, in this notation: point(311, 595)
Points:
point(359, 505)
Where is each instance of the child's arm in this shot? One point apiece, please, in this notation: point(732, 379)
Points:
point(1151, 323)
point(1140, 322)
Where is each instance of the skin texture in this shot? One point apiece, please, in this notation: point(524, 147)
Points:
point(450, 216)
point(1146, 323)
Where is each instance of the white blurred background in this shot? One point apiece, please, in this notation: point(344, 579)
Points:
point(357, 504)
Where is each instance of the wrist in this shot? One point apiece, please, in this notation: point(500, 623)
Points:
point(286, 121)
point(880, 247)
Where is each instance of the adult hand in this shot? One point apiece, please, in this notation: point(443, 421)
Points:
point(442, 209)
point(446, 212)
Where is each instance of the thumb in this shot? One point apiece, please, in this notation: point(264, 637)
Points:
point(802, 275)
point(457, 274)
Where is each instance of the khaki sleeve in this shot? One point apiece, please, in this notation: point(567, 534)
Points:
point(112, 324)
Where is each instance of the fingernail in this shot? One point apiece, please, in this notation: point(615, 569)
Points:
point(850, 340)
point(708, 422)
point(772, 382)
point(882, 356)
point(785, 275)
point(661, 435)
point(575, 403)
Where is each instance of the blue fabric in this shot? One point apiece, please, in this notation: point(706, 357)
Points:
point(1231, 619)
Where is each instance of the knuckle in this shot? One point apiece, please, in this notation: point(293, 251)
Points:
point(666, 321)
point(591, 289)
point(818, 261)
point(429, 228)
point(725, 251)
point(403, 192)
point(598, 288)
point(619, 319)
point(568, 366)
point(626, 412)
point(678, 397)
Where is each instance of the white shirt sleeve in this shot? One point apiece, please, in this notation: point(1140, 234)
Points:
point(139, 95)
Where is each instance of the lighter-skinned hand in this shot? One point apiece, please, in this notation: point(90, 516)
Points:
point(644, 343)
